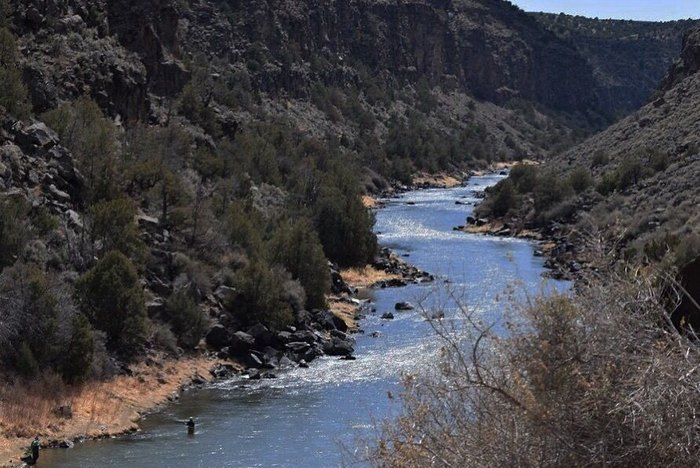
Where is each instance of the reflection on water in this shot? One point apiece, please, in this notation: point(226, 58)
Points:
point(305, 417)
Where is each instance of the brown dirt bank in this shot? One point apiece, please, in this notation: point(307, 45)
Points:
point(95, 409)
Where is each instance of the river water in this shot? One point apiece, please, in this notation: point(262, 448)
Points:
point(319, 417)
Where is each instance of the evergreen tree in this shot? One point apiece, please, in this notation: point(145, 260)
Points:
point(111, 296)
point(296, 246)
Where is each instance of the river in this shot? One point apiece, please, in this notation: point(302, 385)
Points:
point(318, 417)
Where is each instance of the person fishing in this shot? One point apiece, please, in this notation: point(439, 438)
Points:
point(190, 426)
point(35, 449)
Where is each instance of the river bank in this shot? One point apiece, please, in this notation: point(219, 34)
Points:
point(298, 418)
point(62, 415)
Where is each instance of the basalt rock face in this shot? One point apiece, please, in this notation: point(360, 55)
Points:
point(150, 30)
point(490, 49)
point(656, 213)
point(689, 62)
point(629, 58)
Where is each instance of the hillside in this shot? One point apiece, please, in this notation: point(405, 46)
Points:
point(186, 176)
point(662, 141)
point(632, 186)
point(629, 58)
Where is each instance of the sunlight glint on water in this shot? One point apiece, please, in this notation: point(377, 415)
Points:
point(304, 417)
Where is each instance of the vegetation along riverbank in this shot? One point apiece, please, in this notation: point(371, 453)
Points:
point(188, 184)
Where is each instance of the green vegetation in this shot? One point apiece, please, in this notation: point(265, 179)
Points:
point(13, 229)
point(13, 92)
point(297, 248)
point(112, 298)
point(188, 322)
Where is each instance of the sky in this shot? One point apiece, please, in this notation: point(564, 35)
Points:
point(649, 10)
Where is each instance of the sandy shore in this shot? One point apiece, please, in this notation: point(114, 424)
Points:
point(498, 228)
point(441, 180)
point(348, 308)
point(98, 409)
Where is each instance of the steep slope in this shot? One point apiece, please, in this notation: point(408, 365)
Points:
point(629, 58)
point(647, 167)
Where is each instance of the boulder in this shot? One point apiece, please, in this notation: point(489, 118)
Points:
point(241, 342)
point(217, 337)
point(37, 135)
point(224, 293)
point(285, 363)
point(305, 336)
point(388, 316)
point(252, 360)
point(223, 371)
point(303, 318)
point(66, 444)
point(338, 284)
point(263, 336)
point(58, 194)
point(283, 337)
point(330, 321)
point(298, 347)
point(338, 347)
point(404, 306)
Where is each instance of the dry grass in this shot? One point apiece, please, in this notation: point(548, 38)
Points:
point(98, 409)
point(366, 277)
point(346, 311)
point(370, 202)
point(598, 379)
point(437, 180)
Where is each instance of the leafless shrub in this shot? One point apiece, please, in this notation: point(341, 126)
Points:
point(591, 379)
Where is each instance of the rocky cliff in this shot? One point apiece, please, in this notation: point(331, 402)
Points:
point(647, 166)
point(629, 58)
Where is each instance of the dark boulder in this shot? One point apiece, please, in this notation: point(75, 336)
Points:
point(388, 316)
point(262, 335)
point(330, 321)
point(217, 337)
point(241, 342)
point(338, 284)
point(298, 347)
point(404, 306)
point(37, 135)
point(305, 336)
point(253, 360)
point(338, 347)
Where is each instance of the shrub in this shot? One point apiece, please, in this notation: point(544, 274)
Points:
point(607, 184)
point(112, 224)
point(580, 179)
point(345, 228)
point(13, 92)
point(524, 177)
point(111, 297)
point(265, 294)
point(188, 322)
point(26, 366)
point(244, 225)
point(13, 229)
point(78, 357)
point(600, 158)
point(550, 190)
point(297, 248)
point(504, 198)
point(592, 379)
point(92, 138)
point(630, 172)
